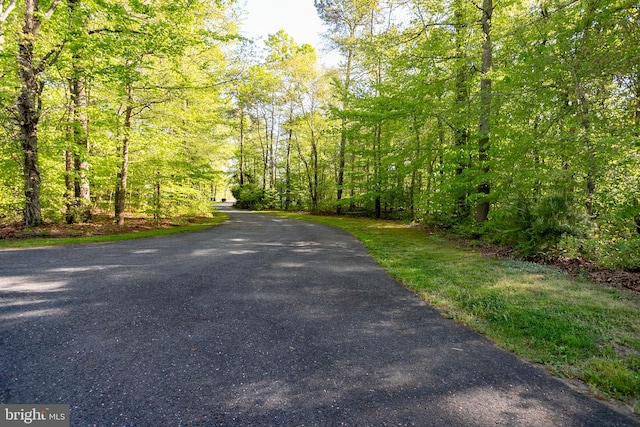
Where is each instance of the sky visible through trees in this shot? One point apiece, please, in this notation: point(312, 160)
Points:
point(514, 121)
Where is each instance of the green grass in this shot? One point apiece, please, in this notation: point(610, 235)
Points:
point(575, 329)
point(202, 224)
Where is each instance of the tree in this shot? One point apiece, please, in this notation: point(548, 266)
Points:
point(147, 51)
point(77, 162)
point(153, 86)
point(482, 210)
point(29, 103)
point(345, 20)
point(462, 101)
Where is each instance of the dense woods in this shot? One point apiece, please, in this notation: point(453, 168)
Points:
point(113, 107)
point(514, 121)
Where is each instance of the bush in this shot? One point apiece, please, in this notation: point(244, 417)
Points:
point(620, 253)
point(251, 196)
point(535, 227)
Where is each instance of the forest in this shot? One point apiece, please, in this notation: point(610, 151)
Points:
point(515, 122)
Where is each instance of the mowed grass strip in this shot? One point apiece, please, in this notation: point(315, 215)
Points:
point(200, 224)
point(573, 328)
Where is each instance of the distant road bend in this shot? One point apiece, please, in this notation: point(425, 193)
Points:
point(260, 321)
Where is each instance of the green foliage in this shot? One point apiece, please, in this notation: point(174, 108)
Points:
point(622, 254)
point(616, 253)
point(537, 226)
point(10, 185)
point(162, 60)
point(254, 197)
point(615, 377)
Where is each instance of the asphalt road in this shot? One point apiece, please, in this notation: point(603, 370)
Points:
point(256, 322)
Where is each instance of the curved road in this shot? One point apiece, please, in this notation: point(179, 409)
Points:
point(259, 321)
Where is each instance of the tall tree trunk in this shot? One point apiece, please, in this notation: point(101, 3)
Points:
point(287, 199)
point(308, 172)
point(636, 110)
point(157, 202)
point(272, 143)
point(415, 168)
point(28, 107)
point(314, 157)
point(342, 149)
point(378, 169)
point(241, 146)
point(265, 154)
point(28, 104)
point(585, 122)
point(461, 131)
point(68, 183)
point(121, 189)
point(81, 210)
point(636, 122)
point(83, 189)
point(482, 210)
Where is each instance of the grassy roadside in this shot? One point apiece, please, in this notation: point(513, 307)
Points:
point(200, 224)
point(576, 330)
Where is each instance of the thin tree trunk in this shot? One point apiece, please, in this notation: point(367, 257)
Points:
point(307, 170)
point(80, 126)
point(314, 154)
point(461, 132)
point(287, 200)
point(414, 169)
point(482, 210)
point(272, 163)
point(157, 209)
point(342, 150)
point(265, 154)
point(81, 163)
point(378, 170)
point(241, 146)
point(80, 209)
point(636, 121)
point(121, 191)
point(378, 138)
point(636, 112)
point(68, 182)
point(432, 159)
point(585, 122)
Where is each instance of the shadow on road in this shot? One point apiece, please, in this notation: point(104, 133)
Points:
point(259, 321)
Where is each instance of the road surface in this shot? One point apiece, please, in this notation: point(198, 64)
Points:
point(260, 321)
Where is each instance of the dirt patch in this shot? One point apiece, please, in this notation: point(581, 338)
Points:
point(579, 267)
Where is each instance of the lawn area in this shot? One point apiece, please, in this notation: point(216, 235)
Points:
point(575, 329)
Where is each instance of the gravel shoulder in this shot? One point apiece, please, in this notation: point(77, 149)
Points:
point(258, 321)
